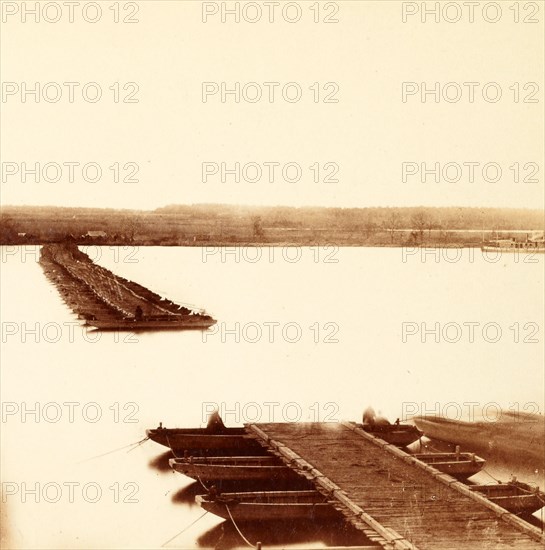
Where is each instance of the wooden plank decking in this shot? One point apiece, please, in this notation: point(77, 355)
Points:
point(395, 499)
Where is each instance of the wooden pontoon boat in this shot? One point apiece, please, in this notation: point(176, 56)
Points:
point(236, 468)
point(156, 322)
point(400, 435)
point(458, 465)
point(198, 441)
point(514, 496)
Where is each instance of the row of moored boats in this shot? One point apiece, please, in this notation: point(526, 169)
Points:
point(261, 487)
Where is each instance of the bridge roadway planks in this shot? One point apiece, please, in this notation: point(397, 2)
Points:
point(423, 511)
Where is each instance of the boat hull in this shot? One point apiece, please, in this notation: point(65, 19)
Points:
point(189, 322)
point(520, 440)
point(270, 506)
point(198, 441)
point(400, 436)
point(512, 498)
point(233, 469)
point(460, 466)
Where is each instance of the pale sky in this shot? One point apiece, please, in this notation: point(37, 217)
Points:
point(362, 140)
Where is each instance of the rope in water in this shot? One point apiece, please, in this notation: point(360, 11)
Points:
point(238, 530)
point(184, 529)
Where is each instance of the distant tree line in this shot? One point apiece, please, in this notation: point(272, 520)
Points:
point(194, 224)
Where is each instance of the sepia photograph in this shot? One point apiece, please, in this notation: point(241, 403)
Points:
point(272, 275)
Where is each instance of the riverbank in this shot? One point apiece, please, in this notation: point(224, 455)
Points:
point(228, 225)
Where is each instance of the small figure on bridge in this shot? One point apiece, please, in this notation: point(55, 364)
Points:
point(138, 313)
point(215, 423)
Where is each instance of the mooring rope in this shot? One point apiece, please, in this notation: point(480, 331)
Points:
point(238, 530)
point(184, 529)
point(168, 443)
point(490, 475)
point(136, 444)
point(207, 489)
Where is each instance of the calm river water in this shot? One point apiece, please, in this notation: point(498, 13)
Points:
point(302, 334)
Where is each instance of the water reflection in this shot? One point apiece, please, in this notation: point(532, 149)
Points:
point(337, 533)
point(186, 495)
point(169, 375)
point(160, 462)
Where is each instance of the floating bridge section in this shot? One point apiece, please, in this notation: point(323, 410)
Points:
point(396, 500)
